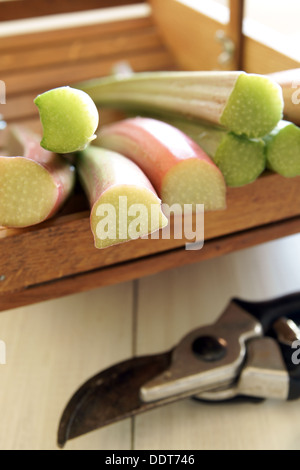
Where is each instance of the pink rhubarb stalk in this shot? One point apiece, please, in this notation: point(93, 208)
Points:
point(180, 171)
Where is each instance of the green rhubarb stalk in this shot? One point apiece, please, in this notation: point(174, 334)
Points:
point(244, 103)
point(240, 159)
point(69, 119)
point(283, 149)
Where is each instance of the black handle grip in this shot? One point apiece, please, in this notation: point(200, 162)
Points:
point(268, 311)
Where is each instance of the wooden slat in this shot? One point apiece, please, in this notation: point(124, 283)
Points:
point(20, 107)
point(20, 9)
point(149, 265)
point(42, 80)
point(78, 50)
point(100, 30)
point(65, 244)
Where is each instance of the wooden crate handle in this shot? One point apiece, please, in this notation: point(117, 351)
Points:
point(235, 31)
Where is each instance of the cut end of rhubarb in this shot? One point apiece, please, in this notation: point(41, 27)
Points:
point(240, 160)
point(283, 150)
point(69, 119)
point(254, 106)
point(27, 192)
point(193, 182)
point(124, 213)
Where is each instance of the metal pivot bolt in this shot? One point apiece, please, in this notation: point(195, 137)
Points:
point(228, 47)
point(209, 348)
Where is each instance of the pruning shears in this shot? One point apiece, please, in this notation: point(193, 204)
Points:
point(249, 352)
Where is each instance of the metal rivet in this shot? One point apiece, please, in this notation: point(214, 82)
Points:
point(209, 348)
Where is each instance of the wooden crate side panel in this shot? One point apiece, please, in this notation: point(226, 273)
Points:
point(64, 246)
point(259, 58)
point(189, 34)
point(149, 265)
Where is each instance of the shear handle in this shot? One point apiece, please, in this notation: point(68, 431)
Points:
point(268, 311)
point(287, 332)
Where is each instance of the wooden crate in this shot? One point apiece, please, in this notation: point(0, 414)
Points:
point(58, 257)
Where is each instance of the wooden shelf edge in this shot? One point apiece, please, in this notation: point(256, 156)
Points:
point(148, 265)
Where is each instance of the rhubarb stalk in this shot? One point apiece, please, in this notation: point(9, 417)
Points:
point(124, 204)
point(34, 183)
point(240, 159)
point(283, 149)
point(289, 80)
point(178, 168)
point(244, 103)
point(69, 119)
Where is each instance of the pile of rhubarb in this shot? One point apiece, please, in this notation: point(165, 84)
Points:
point(188, 136)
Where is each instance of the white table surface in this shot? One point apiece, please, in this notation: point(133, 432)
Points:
point(54, 346)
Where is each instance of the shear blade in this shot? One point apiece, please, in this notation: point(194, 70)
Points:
point(110, 396)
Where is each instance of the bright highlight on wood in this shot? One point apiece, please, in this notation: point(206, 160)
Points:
point(178, 168)
point(69, 118)
point(34, 185)
point(248, 104)
point(124, 204)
